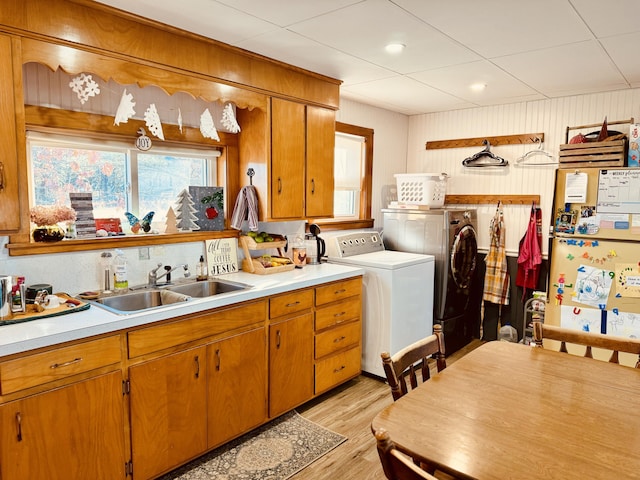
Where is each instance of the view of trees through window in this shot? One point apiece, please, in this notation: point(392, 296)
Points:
point(121, 179)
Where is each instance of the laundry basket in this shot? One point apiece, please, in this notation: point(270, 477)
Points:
point(422, 188)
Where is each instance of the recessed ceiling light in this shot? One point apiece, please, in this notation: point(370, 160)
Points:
point(395, 47)
point(478, 87)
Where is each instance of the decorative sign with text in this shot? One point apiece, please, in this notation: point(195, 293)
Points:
point(222, 255)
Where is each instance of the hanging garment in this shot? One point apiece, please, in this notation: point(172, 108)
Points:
point(496, 279)
point(530, 253)
point(246, 208)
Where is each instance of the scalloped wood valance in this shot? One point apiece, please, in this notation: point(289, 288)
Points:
point(74, 61)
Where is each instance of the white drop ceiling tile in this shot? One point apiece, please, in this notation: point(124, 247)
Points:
point(362, 30)
point(615, 17)
point(457, 80)
point(198, 16)
point(622, 50)
point(408, 94)
point(311, 55)
point(568, 70)
point(286, 12)
point(501, 27)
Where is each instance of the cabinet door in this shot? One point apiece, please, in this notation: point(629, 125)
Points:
point(10, 211)
point(321, 136)
point(287, 159)
point(237, 392)
point(290, 363)
point(72, 433)
point(168, 409)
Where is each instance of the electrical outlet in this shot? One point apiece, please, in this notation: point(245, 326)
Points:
point(143, 253)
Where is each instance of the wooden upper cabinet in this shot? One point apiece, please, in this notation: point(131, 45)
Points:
point(321, 139)
point(287, 159)
point(9, 193)
point(302, 150)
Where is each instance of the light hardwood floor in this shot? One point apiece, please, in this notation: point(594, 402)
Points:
point(348, 410)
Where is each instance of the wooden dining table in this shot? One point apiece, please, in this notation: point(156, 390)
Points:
point(510, 411)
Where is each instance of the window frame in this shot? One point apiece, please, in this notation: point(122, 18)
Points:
point(44, 119)
point(364, 219)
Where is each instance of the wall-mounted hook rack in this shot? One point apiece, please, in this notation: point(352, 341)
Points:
point(492, 199)
point(479, 141)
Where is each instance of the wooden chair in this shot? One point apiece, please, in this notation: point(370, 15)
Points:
point(395, 464)
point(588, 340)
point(403, 363)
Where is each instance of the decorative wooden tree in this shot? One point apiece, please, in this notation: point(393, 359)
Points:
point(171, 222)
point(186, 216)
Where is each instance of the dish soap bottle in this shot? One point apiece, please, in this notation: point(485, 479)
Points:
point(120, 283)
point(202, 270)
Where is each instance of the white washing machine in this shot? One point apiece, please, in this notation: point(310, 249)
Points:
point(397, 297)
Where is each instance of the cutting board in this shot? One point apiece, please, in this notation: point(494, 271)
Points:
point(33, 314)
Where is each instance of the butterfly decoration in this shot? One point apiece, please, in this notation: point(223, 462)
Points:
point(136, 224)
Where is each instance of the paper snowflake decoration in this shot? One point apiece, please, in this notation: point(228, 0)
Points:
point(84, 86)
point(207, 128)
point(152, 120)
point(125, 109)
point(229, 119)
point(180, 119)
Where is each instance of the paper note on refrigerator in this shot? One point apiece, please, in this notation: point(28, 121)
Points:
point(576, 188)
point(593, 286)
point(623, 324)
point(578, 318)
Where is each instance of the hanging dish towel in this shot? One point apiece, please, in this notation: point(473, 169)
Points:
point(496, 279)
point(246, 208)
point(530, 254)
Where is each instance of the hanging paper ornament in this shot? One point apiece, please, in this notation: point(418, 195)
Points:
point(152, 120)
point(84, 86)
point(229, 119)
point(207, 128)
point(180, 119)
point(125, 109)
point(143, 142)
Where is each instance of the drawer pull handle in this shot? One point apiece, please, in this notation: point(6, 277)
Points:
point(66, 364)
point(338, 370)
point(279, 185)
point(278, 339)
point(297, 302)
point(313, 185)
point(338, 292)
point(197, 360)
point(2, 182)
point(19, 425)
point(336, 340)
point(218, 359)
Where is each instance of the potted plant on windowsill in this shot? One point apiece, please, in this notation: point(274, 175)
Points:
point(47, 219)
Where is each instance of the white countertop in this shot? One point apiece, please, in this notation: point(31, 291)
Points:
point(21, 337)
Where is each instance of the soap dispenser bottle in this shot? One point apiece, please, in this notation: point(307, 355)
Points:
point(202, 271)
point(120, 283)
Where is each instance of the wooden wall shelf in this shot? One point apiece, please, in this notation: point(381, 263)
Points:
point(478, 141)
point(491, 199)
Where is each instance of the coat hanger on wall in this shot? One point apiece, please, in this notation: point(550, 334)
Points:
point(485, 158)
point(537, 156)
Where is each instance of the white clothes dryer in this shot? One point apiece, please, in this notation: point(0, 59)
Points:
point(397, 297)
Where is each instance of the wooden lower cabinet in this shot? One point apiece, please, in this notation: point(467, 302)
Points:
point(290, 363)
point(168, 399)
point(75, 432)
point(237, 391)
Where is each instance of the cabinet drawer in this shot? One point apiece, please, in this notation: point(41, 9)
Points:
point(338, 313)
point(63, 362)
point(337, 338)
point(338, 290)
point(159, 337)
point(290, 303)
point(337, 369)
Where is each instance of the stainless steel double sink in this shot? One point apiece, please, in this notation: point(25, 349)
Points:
point(154, 297)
